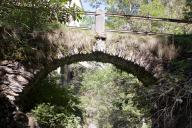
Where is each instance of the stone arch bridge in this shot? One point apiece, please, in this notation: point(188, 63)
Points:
point(145, 56)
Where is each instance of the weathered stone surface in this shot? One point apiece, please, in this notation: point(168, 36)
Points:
point(22, 80)
point(16, 89)
point(14, 65)
point(26, 74)
point(32, 123)
point(5, 81)
point(142, 56)
point(6, 69)
point(3, 87)
point(5, 62)
point(14, 78)
point(10, 92)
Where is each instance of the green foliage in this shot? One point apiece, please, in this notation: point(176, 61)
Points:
point(48, 91)
point(188, 10)
point(155, 8)
point(12, 46)
point(184, 43)
point(110, 99)
point(49, 116)
point(35, 14)
point(87, 21)
point(51, 105)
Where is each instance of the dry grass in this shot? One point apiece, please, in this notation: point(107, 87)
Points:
point(147, 51)
point(64, 41)
point(150, 52)
point(82, 41)
point(158, 46)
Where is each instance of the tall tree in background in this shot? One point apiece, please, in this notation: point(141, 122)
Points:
point(156, 8)
point(188, 10)
point(110, 99)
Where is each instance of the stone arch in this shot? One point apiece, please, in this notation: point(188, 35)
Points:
point(143, 56)
point(146, 77)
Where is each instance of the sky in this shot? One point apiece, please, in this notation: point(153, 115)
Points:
point(87, 7)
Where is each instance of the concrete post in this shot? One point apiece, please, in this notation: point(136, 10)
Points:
point(100, 23)
point(100, 31)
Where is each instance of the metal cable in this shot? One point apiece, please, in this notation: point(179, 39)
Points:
point(138, 17)
point(121, 31)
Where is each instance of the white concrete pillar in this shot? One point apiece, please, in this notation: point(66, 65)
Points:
point(100, 30)
point(100, 23)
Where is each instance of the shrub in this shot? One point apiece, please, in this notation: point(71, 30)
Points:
point(49, 116)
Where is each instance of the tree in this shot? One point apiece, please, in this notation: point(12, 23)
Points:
point(155, 8)
point(52, 106)
point(188, 10)
point(109, 98)
point(35, 14)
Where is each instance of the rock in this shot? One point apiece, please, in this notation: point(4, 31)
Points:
point(13, 82)
point(32, 123)
point(22, 80)
point(5, 62)
point(3, 87)
point(16, 89)
point(14, 65)
point(4, 82)
point(11, 98)
point(21, 119)
point(26, 74)
point(10, 92)
point(6, 69)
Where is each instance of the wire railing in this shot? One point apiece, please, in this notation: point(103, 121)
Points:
point(121, 31)
point(133, 17)
point(139, 17)
point(128, 18)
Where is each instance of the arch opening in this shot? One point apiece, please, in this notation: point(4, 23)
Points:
point(118, 102)
point(146, 77)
